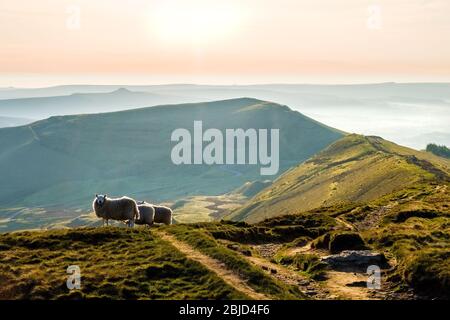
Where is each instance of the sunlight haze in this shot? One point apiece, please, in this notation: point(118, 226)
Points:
point(295, 41)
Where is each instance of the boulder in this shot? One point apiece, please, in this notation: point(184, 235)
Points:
point(345, 241)
point(355, 259)
point(338, 241)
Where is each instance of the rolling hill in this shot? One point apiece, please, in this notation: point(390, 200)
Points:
point(354, 169)
point(410, 114)
point(79, 103)
point(51, 169)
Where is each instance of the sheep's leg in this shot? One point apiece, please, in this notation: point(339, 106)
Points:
point(107, 222)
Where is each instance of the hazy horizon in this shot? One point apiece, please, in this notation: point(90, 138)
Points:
point(242, 43)
point(55, 42)
point(24, 82)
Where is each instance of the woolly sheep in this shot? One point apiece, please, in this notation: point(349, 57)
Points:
point(121, 209)
point(146, 214)
point(162, 214)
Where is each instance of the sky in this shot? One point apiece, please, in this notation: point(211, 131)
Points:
point(49, 42)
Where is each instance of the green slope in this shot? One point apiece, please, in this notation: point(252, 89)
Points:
point(60, 162)
point(353, 169)
point(249, 189)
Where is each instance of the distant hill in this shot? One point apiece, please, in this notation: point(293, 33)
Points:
point(51, 169)
point(65, 90)
point(423, 108)
point(354, 169)
point(293, 93)
point(13, 122)
point(79, 103)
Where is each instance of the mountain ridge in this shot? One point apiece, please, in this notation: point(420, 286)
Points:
point(353, 169)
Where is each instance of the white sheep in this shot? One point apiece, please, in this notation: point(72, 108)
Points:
point(121, 209)
point(162, 214)
point(146, 214)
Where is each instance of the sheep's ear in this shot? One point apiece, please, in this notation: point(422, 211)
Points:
point(105, 196)
point(96, 195)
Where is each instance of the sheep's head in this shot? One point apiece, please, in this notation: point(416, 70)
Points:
point(100, 199)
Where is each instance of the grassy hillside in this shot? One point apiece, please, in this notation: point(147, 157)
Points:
point(353, 169)
point(409, 227)
point(115, 263)
point(278, 257)
point(249, 189)
point(57, 165)
point(118, 263)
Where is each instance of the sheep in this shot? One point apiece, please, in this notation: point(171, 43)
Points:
point(162, 214)
point(122, 209)
point(146, 214)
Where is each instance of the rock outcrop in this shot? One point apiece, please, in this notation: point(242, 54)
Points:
point(355, 259)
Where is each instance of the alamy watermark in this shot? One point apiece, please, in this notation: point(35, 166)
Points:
point(73, 21)
point(374, 21)
point(74, 278)
point(236, 146)
point(374, 279)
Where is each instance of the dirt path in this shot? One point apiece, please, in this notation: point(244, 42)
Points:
point(350, 285)
point(231, 278)
point(309, 287)
point(345, 223)
point(338, 284)
point(294, 250)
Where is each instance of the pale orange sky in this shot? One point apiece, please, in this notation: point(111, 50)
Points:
point(236, 41)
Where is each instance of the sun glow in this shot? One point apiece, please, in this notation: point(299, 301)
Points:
point(195, 22)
